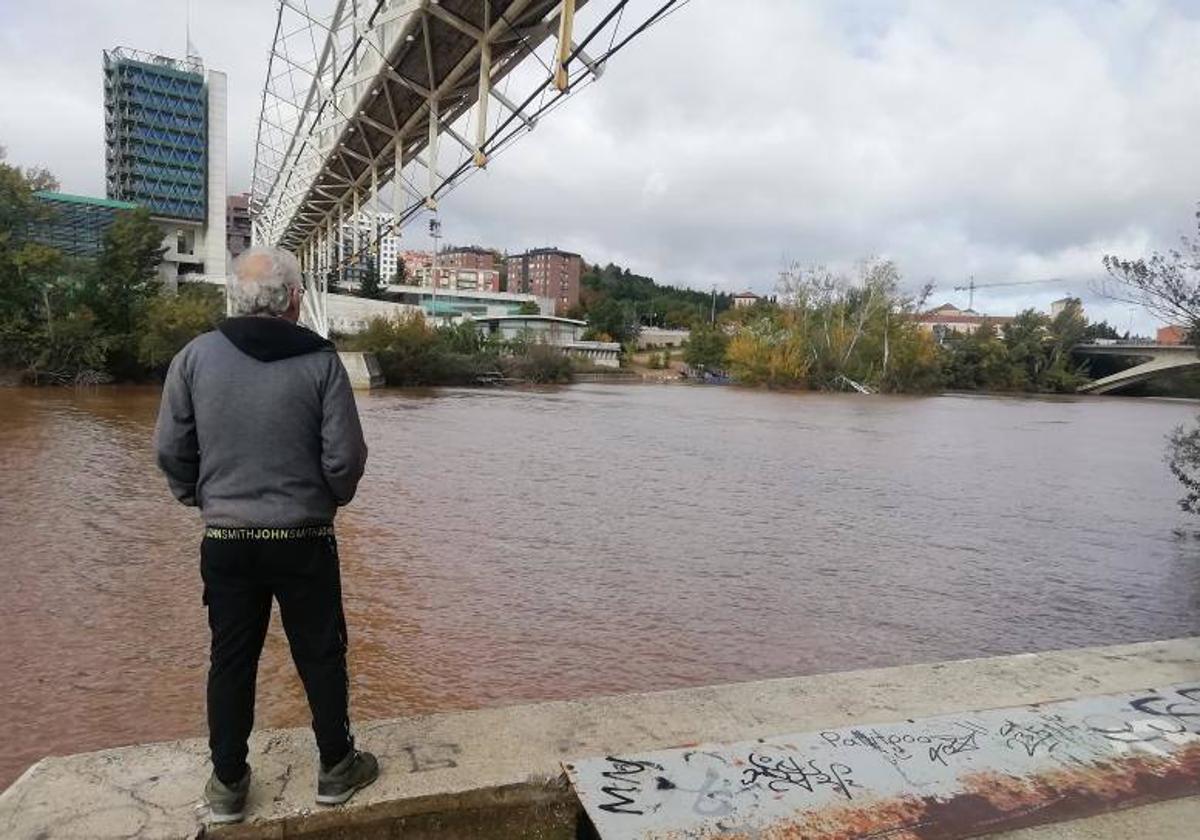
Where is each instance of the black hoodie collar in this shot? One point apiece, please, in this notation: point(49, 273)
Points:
point(270, 339)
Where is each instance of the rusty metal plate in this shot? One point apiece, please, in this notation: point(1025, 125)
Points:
point(952, 776)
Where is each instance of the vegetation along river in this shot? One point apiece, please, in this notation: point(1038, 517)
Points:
point(512, 545)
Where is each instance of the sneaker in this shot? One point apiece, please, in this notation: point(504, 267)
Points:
point(352, 773)
point(226, 803)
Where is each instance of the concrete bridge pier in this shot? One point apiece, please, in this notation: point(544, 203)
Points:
point(363, 370)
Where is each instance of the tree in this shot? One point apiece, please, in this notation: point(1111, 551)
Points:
point(1183, 459)
point(706, 347)
point(121, 285)
point(370, 286)
point(1167, 283)
point(853, 327)
point(529, 307)
point(401, 271)
point(1023, 337)
point(977, 361)
point(126, 273)
point(653, 304)
point(174, 320)
point(30, 290)
point(1100, 330)
point(70, 320)
point(1065, 330)
point(771, 351)
point(614, 319)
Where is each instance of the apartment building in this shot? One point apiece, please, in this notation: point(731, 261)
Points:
point(237, 224)
point(547, 272)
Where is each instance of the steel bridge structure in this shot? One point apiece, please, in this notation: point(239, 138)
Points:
point(358, 101)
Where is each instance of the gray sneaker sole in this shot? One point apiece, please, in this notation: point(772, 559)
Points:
point(341, 798)
point(225, 819)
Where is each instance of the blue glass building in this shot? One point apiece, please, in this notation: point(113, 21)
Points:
point(74, 224)
point(156, 133)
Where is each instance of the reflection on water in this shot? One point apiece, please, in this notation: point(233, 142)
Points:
point(514, 545)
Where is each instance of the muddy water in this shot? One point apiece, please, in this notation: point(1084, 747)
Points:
point(509, 546)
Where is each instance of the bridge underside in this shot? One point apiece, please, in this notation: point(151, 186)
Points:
point(355, 99)
point(381, 93)
point(1154, 365)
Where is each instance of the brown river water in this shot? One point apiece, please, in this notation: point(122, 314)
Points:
point(509, 546)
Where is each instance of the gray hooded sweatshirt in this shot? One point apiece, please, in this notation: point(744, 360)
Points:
point(258, 427)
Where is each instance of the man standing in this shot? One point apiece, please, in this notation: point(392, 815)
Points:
point(258, 428)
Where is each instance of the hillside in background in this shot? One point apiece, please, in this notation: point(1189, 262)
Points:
point(649, 304)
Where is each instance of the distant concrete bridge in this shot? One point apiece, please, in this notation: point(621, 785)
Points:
point(1156, 358)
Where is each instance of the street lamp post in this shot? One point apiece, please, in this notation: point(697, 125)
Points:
point(435, 233)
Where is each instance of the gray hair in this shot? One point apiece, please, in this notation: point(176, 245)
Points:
point(262, 281)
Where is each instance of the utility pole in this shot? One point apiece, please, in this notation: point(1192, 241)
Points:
point(435, 233)
point(712, 319)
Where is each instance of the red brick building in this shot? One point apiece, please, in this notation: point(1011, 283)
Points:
point(1173, 334)
point(470, 267)
point(547, 272)
point(471, 256)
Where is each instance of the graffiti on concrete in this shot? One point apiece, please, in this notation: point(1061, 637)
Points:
point(782, 774)
point(624, 778)
point(1003, 768)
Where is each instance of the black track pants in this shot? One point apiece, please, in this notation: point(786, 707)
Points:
point(240, 578)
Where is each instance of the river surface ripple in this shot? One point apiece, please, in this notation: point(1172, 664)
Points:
point(509, 546)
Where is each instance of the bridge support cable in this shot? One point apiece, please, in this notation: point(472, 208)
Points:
point(356, 95)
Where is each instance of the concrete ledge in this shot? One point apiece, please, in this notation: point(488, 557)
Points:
point(496, 772)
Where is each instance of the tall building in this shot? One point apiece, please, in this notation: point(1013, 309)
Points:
point(237, 224)
point(547, 272)
point(385, 255)
point(164, 136)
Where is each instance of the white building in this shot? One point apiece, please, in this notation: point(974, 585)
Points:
point(389, 249)
point(564, 333)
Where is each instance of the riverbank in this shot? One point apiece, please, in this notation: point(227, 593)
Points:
point(497, 773)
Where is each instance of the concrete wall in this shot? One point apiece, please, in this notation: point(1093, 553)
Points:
point(659, 337)
point(497, 773)
point(348, 315)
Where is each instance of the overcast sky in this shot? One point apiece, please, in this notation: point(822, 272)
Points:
point(1005, 141)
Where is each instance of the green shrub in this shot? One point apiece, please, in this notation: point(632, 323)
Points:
point(538, 363)
point(171, 321)
point(411, 352)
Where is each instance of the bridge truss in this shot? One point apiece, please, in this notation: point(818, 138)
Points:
point(358, 101)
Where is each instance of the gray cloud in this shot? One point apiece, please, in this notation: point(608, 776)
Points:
point(1008, 141)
